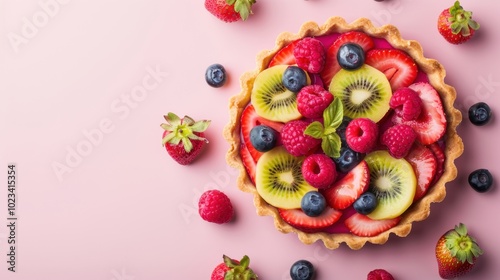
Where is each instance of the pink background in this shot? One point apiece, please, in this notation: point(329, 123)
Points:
point(123, 209)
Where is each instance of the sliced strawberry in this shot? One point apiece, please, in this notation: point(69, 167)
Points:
point(299, 220)
point(399, 68)
point(345, 191)
point(331, 64)
point(440, 158)
point(424, 164)
point(284, 56)
point(361, 225)
point(248, 162)
point(250, 119)
point(430, 125)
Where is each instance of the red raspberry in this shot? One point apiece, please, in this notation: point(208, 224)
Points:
point(319, 170)
point(379, 274)
point(295, 141)
point(361, 135)
point(312, 101)
point(407, 103)
point(399, 139)
point(310, 55)
point(215, 207)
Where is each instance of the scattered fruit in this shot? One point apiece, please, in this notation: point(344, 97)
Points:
point(313, 203)
point(456, 252)
point(479, 114)
point(184, 138)
point(233, 269)
point(379, 274)
point(362, 225)
point(312, 101)
point(361, 135)
point(319, 170)
point(406, 103)
point(302, 270)
point(366, 203)
point(298, 219)
point(399, 68)
point(480, 180)
point(215, 75)
point(351, 56)
point(263, 138)
point(214, 206)
point(399, 139)
point(424, 165)
point(295, 141)
point(456, 25)
point(295, 78)
point(309, 55)
point(230, 10)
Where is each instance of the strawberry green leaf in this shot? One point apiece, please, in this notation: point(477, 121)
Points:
point(461, 245)
point(230, 2)
point(200, 126)
point(172, 119)
point(331, 145)
point(188, 120)
point(315, 130)
point(243, 7)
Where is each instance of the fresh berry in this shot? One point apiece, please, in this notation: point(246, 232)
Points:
point(345, 191)
point(406, 103)
point(331, 64)
point(184, 138)
point(456, 25)
point(399, 68)
point(379, 274)
point(295, 141)
point(319, 170)
point(438, 152)
point(230, 10)
point(233, 269)
point(361, 135)
point(309, 55)
point(284, 56)
point(480, 180)
point(348, 159)
point(399, 140)
point(249, 120)
point(479, 113)
point(248, 162)
point(298, 219)
point(214, 206)
point(456, 252)
point(424, 165)
point(361, 225)
point(263, 138)
point(430, 126)
point(302, 270)
point(312, 100)
point(366, 203)
point(215, 75)
point(351, 56)
point(294, 78)
point(313, 203)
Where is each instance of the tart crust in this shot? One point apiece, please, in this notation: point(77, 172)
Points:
point(436, 73)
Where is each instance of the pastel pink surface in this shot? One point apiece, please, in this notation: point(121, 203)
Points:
point(96, 78)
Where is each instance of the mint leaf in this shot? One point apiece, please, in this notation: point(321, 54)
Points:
point(333, 114)
point(331, 145)
point(315, 130)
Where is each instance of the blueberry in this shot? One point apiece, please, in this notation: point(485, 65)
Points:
point(479, 113)
point(348, 158)
point(263, 138)
point(313, 203)
point(351, 56)
point(366, 203)
point(342, 128)
point(215, 75)
point(481, 180)
point(294, 78)
point(302, 270)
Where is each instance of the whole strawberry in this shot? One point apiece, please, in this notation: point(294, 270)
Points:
point(184, 138)
point(230, 10)
point(456, 25)
point(214, 206)
point(456, 252)
point(234, 270)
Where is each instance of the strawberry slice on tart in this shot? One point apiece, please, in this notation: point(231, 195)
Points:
point(284, 56)
point(298, 219)
point(399, 68)
point(361, 225)
point(248, 162)
point(424, 164)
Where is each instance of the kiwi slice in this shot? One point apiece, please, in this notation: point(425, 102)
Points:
point(271, 99)
point(279, 180)
point(393, 182)
point(364, 92)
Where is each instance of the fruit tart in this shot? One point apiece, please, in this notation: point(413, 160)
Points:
point(344, 133)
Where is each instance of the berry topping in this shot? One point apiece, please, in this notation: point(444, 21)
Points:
point(399, 68)
point(481, 180)
point(424, 165)
point(248, 162)
point(313, 203)
point(184, 138)
point(298, 219)
point(361, 135)
point(310, 55)
point(312, 100)
point(406, 103)
point(351, 56)
point(319, 170)
point(438, 152)
point(348, 159)
point(284, 56)
point(366, 203)
point(294, 78)
point(230, 10)
point(295, 141)
point(361, 225)
point(399, 140)
point(479, 113)
point(215, 75)
point(302, 270)
point(214, 206)
point(456, 25)
point(379, 274)
point(233, 269)
point(263, 138)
